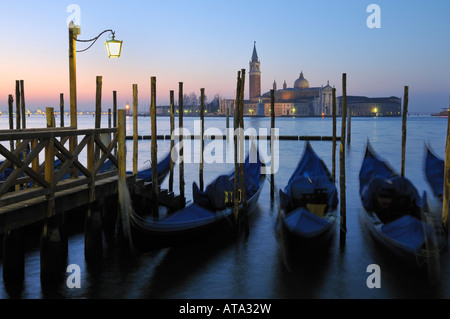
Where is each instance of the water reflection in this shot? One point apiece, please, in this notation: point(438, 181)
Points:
point(257, 266)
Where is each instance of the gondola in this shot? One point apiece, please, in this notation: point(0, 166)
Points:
point(434, 172)
point(308, 205)
point(163, 168)
point(396, 215)
point(145, 173)
point(210, 214)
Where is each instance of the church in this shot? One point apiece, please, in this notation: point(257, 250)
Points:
point(303, 100)
point(298, 100)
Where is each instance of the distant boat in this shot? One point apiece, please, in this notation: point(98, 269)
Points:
point(444, 112)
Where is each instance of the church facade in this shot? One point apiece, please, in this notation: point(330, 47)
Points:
point(298, 100)
point(303, 100)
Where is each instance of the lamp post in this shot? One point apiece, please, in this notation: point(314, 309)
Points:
point(113, 47)
point(74, 31)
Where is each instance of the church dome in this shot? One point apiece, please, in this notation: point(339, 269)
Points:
point(301, 82)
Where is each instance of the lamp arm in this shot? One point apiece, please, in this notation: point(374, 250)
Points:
point(93, 40)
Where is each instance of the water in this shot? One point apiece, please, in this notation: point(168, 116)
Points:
point(255, 267)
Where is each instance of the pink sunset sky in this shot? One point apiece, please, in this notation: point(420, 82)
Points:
point(204, 43)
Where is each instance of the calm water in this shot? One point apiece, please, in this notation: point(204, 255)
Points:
point(255, 267)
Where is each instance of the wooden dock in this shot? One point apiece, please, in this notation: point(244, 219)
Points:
point(49, 172)
point(43, 180)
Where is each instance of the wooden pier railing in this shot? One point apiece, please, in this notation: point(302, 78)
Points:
point(30, 179)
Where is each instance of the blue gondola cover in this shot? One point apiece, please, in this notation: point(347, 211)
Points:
point(219, 193)
point(304, 222)
point(408, 231)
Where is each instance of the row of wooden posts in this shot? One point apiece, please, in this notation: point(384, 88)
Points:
point(238, 123)
point(342, 196)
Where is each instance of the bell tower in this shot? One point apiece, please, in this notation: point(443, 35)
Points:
point(255, 76)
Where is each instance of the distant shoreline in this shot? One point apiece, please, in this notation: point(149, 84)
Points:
point(440, 114)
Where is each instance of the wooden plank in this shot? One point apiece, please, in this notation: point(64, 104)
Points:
point(26, 212)
point(23, 195)
point(41, 133)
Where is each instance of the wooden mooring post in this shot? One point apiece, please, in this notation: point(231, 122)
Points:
point(272, 157)
point(18, 105)
point(180, 125)
point(93, 233)
point(61, 109)
point(236, 193)
point(404, 119)
point(115, 116)
point(154, 149)
point(53, 249)
point(243, 196)
point(349, 124)
point(123, 226)
point(11, 118)
point(135, 129)
point(342, 197)
point(13, 240)
point(22, 104)
point(333, 153)
point(202, 137)
point(446, 191)
point(172, 141)
point(228, 116)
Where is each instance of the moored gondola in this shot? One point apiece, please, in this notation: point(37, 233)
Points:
point(434, 172)
point(396, 215)
point(211, 213)
point(163, 169)
point(308, 205)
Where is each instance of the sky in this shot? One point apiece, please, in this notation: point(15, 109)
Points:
point(204, 43)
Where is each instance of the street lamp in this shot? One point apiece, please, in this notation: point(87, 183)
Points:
point(114, 49)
